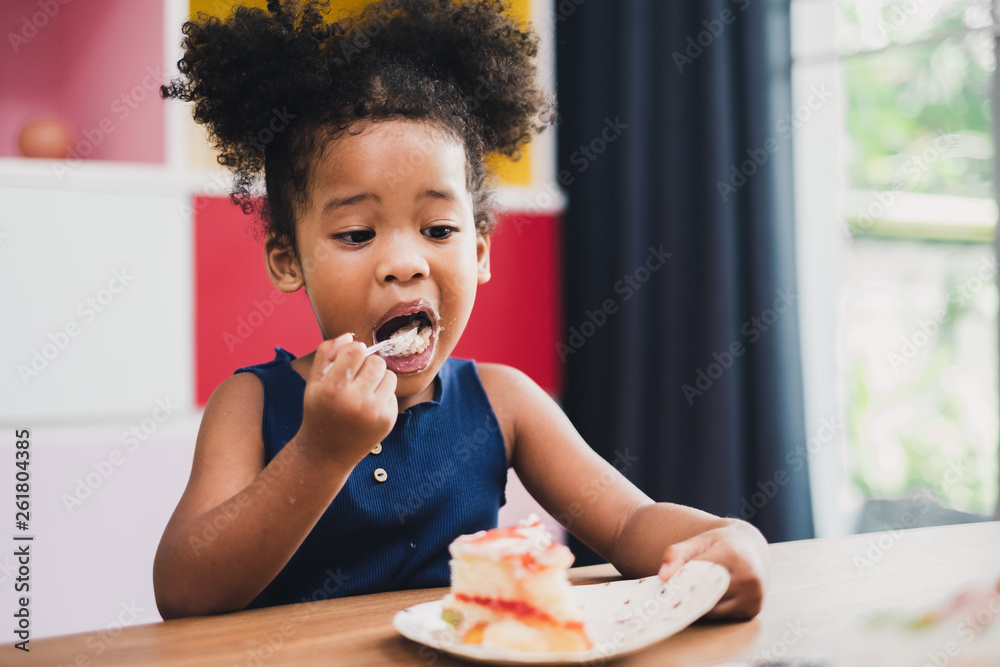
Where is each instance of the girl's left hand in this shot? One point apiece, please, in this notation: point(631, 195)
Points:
point(738, 547)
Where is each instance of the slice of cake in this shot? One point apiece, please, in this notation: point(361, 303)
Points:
point(509, 588)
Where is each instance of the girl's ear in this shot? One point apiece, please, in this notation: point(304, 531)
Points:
point(283, 267)
point(483, 257)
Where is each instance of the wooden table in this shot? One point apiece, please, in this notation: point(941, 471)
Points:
point(817, 588)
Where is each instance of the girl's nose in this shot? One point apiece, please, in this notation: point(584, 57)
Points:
point(402, 260)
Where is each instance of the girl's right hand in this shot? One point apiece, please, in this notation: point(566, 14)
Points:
point(350, 408)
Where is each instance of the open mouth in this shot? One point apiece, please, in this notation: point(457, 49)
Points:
point(410, 333)
point(409, 328)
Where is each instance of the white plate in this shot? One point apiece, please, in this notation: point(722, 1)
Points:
point(621, 617)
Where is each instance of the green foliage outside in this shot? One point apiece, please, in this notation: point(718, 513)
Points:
point(941, 449)
point(903, 97)
point(900, 100)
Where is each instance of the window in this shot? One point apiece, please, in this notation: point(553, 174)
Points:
point(914, 274)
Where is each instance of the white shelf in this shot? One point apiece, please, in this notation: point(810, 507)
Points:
point(921, 216)
point(135, 178)
point(96, 176)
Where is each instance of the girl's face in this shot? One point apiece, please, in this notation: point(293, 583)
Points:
point(388, 238)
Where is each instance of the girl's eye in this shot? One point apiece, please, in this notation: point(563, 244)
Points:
point(439, 231)
point(356, 237)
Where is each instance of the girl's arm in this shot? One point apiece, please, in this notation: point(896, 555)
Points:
point(595, 502)
point(239, 522)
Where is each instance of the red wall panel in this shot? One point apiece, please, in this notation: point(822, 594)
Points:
point(240, 317)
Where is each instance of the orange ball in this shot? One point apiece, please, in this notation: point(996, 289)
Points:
point(46, 137)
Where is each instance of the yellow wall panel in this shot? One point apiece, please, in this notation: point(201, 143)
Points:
point(221, 8)
point(521, 9)
point(510, 172)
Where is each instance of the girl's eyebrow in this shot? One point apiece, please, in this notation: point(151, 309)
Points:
point(338, 202)
point(447, 195)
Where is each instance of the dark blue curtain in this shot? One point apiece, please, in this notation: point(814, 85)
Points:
point(681, 350)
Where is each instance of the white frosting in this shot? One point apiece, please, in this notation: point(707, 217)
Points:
point(516, 564)
point(528, 537)
point(408, 340)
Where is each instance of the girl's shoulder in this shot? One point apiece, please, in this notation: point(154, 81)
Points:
point(236, 406)
point(502, 380)
point(501, 383)
point(229, 450)
point(514, 398)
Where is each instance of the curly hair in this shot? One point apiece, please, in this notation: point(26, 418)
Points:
point(274, 86)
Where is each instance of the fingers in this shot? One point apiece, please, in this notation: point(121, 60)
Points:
point(349, 403)
point(745, 595)
point(344, 362)
point(368, 375)
point(736, 607)
point(743, 600)
point(677, 554)
point(387, 386)
point(340, 363)
point(385, 393)
point(726, 608)
point(327, 353)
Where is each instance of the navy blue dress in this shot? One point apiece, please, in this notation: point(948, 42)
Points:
point(445, 470)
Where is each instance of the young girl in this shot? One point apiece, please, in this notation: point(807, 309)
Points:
point(340, 473)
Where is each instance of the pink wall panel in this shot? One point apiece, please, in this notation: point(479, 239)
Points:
point(518, 315)
point(97, 64)
point(27, 72)
point(240, 317)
